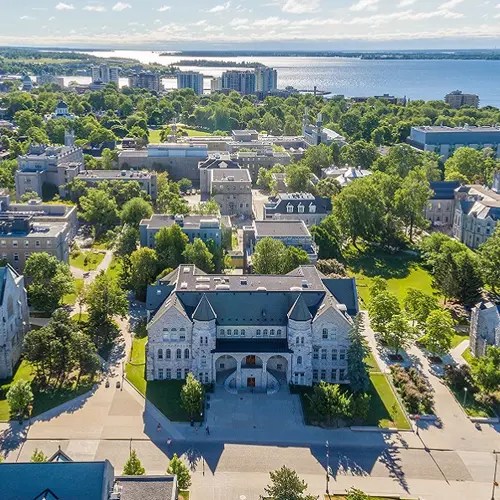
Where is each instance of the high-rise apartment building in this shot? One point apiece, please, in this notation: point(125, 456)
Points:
point(190, 80)
point(241, 81)
point(266, 79)
point(216, 85)
point(145, 80)
point(457, 99)
point(105, 74)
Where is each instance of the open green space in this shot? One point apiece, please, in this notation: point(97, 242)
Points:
point(164, 394)
point(70, 299)
point(44, 398)
point(87, 260)
point(402, 271)
point(384, 407)
point(154, 135)
point(115, 268)
point(458, 338)
point(183, 495)
point(467, 355)
point(80, 318)
point(371, 363)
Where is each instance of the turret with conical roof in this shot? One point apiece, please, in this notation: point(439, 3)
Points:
point(204, 310)
point(299, 310)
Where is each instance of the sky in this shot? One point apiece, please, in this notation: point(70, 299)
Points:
point(257, 24)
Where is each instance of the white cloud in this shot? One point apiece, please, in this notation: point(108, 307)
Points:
point(271, 22)
point(300, 6)
point(27, 18)
point(450, 5)
point(220, 8)
point(65, 6)
point(95, 8)
point(164, 8)
point(238, 22)
point(364, 5)
point(406, 3)
point(52, 18)
point(119, 6)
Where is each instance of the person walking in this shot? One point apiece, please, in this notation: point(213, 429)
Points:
point(207, 430)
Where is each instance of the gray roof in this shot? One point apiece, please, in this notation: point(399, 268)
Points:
point(114, 175)
point(280, 228)
point(219, 161)
point(443, 128)
point(204, 311)
point(231, 175)
point(65, 480)
point(194, 222)
point(146, 487)
point(279, 205)
point(299, 310)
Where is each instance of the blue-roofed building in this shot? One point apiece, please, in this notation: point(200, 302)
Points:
point(250, 331)
point(445, 140)
point(440, 208)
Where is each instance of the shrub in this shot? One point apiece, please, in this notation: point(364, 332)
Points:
point(413, 388)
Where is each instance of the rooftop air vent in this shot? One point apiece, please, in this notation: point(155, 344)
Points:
point(184, 285)
point(186, 270)
point(202, 287)
point(342, 307)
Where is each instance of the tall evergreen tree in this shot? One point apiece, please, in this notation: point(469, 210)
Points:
point(357, 353)
point(133, 466)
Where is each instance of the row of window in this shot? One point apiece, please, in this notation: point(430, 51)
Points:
point(203, 377)
point(15, 243)
point(300, 209)
point(336, 375)
point(167, 373)
point(337, 354)
point(235, 333)
point(168, 354)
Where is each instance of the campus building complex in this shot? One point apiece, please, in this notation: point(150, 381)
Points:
point(250, 331)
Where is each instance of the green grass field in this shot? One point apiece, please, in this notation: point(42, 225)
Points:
point(70, 299)
point(115, 268)
point(87, 261)
point(467, 355)
point(402, 271)
point(164, 394)
point(154, 135)
point(471, 406)
point(458, 338)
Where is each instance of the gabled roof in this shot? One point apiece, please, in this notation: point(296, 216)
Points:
point(60, 456)
point(299, 310)
point(204, 310)
point(46, 495)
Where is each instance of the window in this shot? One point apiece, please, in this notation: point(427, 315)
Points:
point(272, 332)
point(315, 375)
point(206, 377)
point(27, 243)
point(342, 355)
point(334, 354)
point(299, 360)
point(160, 353)
point(312, 209)
point(201, 340)
point(323, 374)
point(179, 373)
point(289, 209)
point(325, 333)
point(206, 340)
point(301, 209)
point(265, 332)
point(242, 332)
point(221, 332)
point(323, 353)
point(186, 371)
point(315, 353)
point(186, 353)
point(37, 243)
point(341, 374)
point(168, 354)
point(160, 373)
point(168, 374)
point(278, 332)
point(203, 360)
point(14, 243)
point(229, 332)
point(301, 340)
point(334, 375)
point(297, 340)
point(16, 257)
point(236, 332)
point(200, 377)
point(182, 336)
point(178, 354)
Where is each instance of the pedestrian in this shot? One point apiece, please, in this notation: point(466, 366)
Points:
point(207, 430)
point(169, 443)
point(158, 428)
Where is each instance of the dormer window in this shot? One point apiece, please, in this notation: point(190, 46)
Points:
point(289, 208)
point(312, 208)
point(300, 208)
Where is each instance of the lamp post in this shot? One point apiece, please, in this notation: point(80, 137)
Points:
point(495, 482)
point(327, 466)
point(465, 395)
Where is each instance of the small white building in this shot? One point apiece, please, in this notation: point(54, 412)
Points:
point(346, 175)
point(15, 319)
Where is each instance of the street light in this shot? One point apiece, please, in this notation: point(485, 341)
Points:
point(465, 395)
point(327, 466)
point(495, 482)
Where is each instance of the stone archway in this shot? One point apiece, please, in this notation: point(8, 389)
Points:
point(225, 365)
point(277, 366)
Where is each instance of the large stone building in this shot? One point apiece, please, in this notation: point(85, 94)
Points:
point(231, 188)
point(440, 209)
point(47, 165)
point(484, 328)
point(316, 134)
point(250, 331)
point(298, 206)
point(457, 99)
point(15, 319)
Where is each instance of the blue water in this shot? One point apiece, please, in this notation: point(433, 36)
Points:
point(423, 79)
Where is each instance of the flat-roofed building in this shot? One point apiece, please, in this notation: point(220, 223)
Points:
point(457, 99)
point(190, 80)
point(231, 188)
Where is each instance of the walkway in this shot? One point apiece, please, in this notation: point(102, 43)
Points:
point(91, 275)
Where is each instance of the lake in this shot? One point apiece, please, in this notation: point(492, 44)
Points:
point(422, 79)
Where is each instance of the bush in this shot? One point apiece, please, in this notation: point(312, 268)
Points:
point(414, 389)
point(459, 377)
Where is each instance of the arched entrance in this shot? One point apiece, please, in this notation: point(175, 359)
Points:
point(225, 365)
point(278, 367)
point(252, 374)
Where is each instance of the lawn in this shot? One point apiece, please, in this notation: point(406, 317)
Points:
point(458, 338)
point(70, 299)
point(87, 261)
point(382, 403)
point(467, 355)
point(44, 399)
point(154, 135)
point(183, 495)
point(164, 394)
point(115, 268)
point(402, 271)
point(80, 318)
point(471, 406)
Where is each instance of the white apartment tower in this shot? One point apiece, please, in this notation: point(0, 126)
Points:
point(190, 80)
point(266, 79)
point(105, 74)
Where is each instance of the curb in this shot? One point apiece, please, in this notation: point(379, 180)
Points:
point(425, 418)
point(485, 420)
point(382, 430)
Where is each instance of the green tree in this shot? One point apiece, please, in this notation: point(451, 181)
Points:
point(355, 494)
point(383, 307)
point(330, 402)
point(19, 396)
point(178, 468)
point(136, 210)
point(210, 207)
point(192, 396)
point(399, 334)
point(105, 299)
point(198, 254)
point(133, 466)
point(331, 268)
point(418, 305)
point(178, 206)
point(286, 485)
point(467, 162)
point(126, 242)
point(359, 154)
point(357, 372)
point(268, 256)
point(328, 237)
point(50, 281)
point(170, 244)
point(328, 188)
point(489, 260)
point(486, 370)
point(298, 177)
point(185, 185)
point(100, 210)
point(438, 332)
point(293, 258)
point(469, 278)
point(377, 286)
point(144, 268)
point(317, 158)
point(38, 456)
